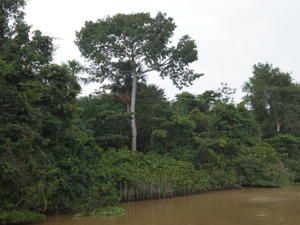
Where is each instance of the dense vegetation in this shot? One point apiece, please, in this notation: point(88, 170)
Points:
point(61, 153)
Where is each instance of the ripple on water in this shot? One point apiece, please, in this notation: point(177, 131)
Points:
point(265, 199)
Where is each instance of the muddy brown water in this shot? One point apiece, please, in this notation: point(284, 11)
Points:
point(280, 206)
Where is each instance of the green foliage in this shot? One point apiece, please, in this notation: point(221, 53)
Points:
point(151, 125)
point(288, 147)
point(63, 154)
point(274, 99)
point(16, 217)
point(106, 119)
point(140, 40)
point(46, 160)
point(105, 211)
point(260, 166)
point(109, 211)
point(235, 122)
point(124, 48)
point(145, 176)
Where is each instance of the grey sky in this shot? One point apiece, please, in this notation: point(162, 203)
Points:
point(231, 35)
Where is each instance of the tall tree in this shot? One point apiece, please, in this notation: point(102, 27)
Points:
point(274, 98)
point(142, 43)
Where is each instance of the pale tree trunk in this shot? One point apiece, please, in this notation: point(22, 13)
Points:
point(132, 110)
point(278, 127)
point(278, 122)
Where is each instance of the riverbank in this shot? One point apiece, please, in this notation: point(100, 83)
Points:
point(124, 176)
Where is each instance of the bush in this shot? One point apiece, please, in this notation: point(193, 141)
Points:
point(145, 176)
point(288, 147)
point(261, 166)
point(16, 216)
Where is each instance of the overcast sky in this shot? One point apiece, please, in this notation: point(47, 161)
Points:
point(231, 35)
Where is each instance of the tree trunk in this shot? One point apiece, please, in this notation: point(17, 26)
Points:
point(133, 122)
point(278, 126)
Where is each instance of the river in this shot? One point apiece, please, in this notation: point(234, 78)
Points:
point(278, 206)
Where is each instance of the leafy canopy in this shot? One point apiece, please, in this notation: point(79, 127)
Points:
point(140, 42)
point(274, 98)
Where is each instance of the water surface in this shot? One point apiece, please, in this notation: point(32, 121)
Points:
point(238, 207)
